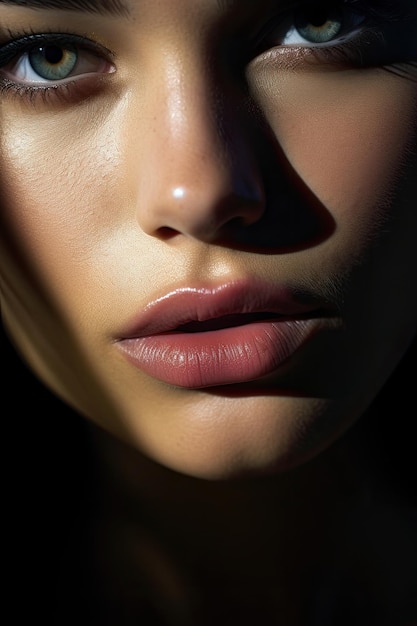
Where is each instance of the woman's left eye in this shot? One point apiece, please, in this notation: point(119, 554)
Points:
point(318, 24)
point(52, 62)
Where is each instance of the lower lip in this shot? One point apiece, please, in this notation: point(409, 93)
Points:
point(219, 357)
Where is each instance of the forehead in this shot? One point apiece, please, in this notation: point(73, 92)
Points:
point(128, 7)
point(113, 7)
point(93, 6)
point(125, 7)
point(179, 12)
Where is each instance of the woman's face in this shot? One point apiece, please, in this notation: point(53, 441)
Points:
point(208, 217)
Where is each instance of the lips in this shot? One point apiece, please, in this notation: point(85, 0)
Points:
point(233, 333)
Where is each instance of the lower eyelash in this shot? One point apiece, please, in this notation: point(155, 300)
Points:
point(376, 43)
point(359, 50)
point(30, 95)
point(60, 94)
point(407, 71)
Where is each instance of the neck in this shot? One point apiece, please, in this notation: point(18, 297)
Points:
point(275, 544)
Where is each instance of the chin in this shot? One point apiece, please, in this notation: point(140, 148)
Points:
point(232, 439)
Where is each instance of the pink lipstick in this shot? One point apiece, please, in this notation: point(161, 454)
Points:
point(204, 337)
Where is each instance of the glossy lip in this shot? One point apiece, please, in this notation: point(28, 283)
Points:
point(198, 337)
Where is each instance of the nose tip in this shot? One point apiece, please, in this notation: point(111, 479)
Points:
point(202, 198)
point(206, 207)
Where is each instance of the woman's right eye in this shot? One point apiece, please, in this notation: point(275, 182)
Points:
point(43, 61)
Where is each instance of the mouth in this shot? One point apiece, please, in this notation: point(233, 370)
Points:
point(225, 321)
point(235, 333)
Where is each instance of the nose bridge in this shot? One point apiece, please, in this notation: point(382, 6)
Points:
point(202, 178)
point(191, 122)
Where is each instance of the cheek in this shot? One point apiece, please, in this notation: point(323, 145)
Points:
point(346, 134)
point(60, 203)
point(60, 210)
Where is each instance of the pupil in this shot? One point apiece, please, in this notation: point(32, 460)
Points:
point(53, 54)
point(317, 16)
point(318, 20)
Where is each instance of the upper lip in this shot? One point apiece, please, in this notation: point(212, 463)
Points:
point(228, 303)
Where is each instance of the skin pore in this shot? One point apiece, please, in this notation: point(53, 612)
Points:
point(194, 150)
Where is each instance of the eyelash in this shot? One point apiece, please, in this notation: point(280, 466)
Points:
point(376, 14)
point(362, 45)
point(20, 44)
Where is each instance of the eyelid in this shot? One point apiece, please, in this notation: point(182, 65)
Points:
point(344, 37)
point(385, 37)
point(14, 57)
point(375, 14)
point(19, 45)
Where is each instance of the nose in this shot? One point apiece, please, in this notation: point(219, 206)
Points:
point(197, 174)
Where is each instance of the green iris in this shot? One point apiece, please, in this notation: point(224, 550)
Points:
point(319, 24)
point(53, 62)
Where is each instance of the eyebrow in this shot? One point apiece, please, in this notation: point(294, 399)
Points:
point(103, 7)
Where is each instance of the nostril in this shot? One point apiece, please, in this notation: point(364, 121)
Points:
point(165, 233)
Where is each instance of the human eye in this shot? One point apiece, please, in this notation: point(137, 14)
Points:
point(360, 33)
point(46, 62)
point(320, 24)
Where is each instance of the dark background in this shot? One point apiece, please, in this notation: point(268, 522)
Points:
point(48, 481)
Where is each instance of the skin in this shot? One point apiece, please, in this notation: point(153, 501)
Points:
point(92, 236)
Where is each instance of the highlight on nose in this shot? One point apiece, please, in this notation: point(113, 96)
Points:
point(215, 198)
point(211, 214)
point(178, 193)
